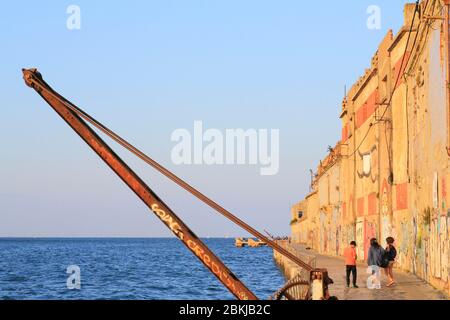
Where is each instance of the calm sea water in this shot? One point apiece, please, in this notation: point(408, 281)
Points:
point(141, 269)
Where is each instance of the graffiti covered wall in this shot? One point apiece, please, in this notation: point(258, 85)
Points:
point(388, 175)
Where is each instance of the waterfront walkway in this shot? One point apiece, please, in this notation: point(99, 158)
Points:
point(408, 287)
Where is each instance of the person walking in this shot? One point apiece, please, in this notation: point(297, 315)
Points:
point(350, 263)
point(374, 261)
point(391, 254)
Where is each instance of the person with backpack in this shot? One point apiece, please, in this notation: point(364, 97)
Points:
point(391, 254)
point(375, 261)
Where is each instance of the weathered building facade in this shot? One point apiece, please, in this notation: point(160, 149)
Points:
point(388, 175)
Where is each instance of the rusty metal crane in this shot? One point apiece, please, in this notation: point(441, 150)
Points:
point(77, 118)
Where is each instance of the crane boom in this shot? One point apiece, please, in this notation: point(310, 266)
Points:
point(34, 80)
point(78, 120)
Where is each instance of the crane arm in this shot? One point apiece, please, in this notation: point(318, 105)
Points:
point(34, 80)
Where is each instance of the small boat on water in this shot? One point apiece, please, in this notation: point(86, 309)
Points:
point(242, 242)
point(256, 243)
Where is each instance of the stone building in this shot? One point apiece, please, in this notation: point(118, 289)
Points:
point(388, 175)
point(320, 210)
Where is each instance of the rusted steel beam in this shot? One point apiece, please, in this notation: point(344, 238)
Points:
point(34, 80)
point(83, 115)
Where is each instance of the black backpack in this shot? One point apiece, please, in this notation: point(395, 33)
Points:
point(384, 263)
point(392, 253)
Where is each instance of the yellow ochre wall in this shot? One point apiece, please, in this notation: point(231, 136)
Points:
point(389, 172)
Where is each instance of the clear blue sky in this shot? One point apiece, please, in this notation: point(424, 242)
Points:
point(146, 68)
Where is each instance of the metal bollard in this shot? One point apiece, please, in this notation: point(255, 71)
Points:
point(319, 281)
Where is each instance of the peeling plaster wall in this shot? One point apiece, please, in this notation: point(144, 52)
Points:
point(427, 254)
point(397, 183)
